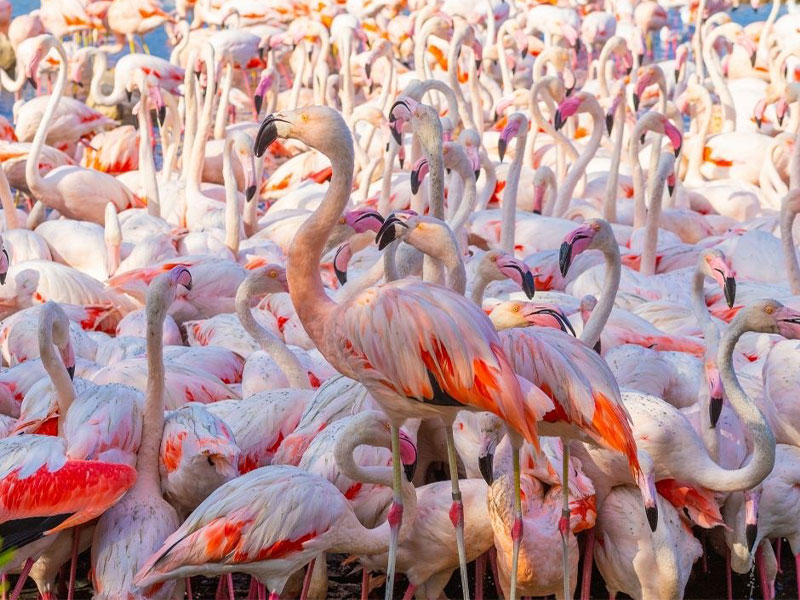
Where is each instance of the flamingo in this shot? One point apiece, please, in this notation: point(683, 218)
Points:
point(420, 387)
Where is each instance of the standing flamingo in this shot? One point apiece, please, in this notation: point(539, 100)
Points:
point(452, 355)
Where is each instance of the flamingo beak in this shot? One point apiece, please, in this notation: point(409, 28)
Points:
point(751, 517)
point(408, 455)
point(267, 133)
point(340, 260)
point(388, 233)
point(418, 174)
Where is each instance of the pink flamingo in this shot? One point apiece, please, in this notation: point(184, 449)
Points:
point(135, 17)
point(452, 356)
point(299, 516)
point(75, 192)
point(127, 535)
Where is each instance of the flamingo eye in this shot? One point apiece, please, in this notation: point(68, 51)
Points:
point(494, 259)
point(596, 226)
point(273, 274)
point(769, 309)
point(516, 308)
point(342, 221)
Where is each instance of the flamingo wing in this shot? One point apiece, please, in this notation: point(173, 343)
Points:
point(429, 344)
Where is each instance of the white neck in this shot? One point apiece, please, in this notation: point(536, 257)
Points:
point(567, 188)
point(594, 327)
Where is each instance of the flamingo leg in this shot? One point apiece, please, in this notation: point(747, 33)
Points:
point(262, 591)
point(778, 548)
point(728, 574)
point(480, 573)
point(457, 510)
point(364, 583)
point(22, 577)
point(189, 588)
point(4, 583)
point(495, 574)
point(516, 530)
point(307, 579)
point(130, 44)
point(409, 592)
point(588, 559)
point(274, 596)
point(761, 566)
point(563, 522)
point(395, 516)
point(797, 573)
point(73, 565)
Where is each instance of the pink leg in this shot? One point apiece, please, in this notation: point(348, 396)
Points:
point(22, 577)
point(409, 592)
point(778, 548)
point(728, 574)
point(761, 567)
point(262, 591)
point(220, 593)
point(4, 583)
point(364, 583)
point(797, 573)
point(588, 561)
point(229, 578)
point(307, 579)
point(480, 573)
point(189, 588)
point(251, 591)
point(705, 559)
point(493, 563)
point(73, 565)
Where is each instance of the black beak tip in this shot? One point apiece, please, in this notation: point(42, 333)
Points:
point(477, 174)
point(564, 258)
point(250, 193)
point(751, 531)
point(267, 134)
point(410, 470)
point(486, 466)
point(652, 517)
point(340, 275)
point(714, 411)
point(677, 76)
point(598, 347)
point(730, 291)
point(128, 94)
point(670, 189)
point(415, 182)
point(162, 115)
point(258, 100)
point(568, 91)
point(71, 371)
point(780, 121)
point(397, 137)
point(677, 151)
point(609, 123)
point(524, 53)
point(2, 278)
point(368, 70)
point(529, 285)
point(753, 60)
point(557, 120)
point(501, 149)
point(32, 81)
point(636, 101)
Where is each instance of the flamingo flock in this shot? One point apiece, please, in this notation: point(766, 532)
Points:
point(489, 298)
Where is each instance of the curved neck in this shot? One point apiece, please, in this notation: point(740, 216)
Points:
point(502, 59)
point(610, 200)
point(233, 220)
point(7, 201)
point(294, 97)
point(99, 69)
point(302, 266)
point(567, 188)
point(363, 541)
point(52, 363)
point(13, 85)
point(33, 178)
point(789, 251)
point(699, 307)
point(147, 167)
point(453, 54)
point(467, 205)
point(698, 144)
point(763, 440)
point(203, 125)
point(714, 67)
point(508, 229)
point(190, 86)
point(594, 326)
point(277, 350)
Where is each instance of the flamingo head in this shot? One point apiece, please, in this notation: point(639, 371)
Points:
point(518, 313)
point(408, 454)
point(268, 78)
point(515, 124)
point(394, 227)
point(399, 114)
point(418, 173)
point(759, 110)
point(648, 75)
point(673, 134)
point(497, 265)
point(570, 106)
point(714, 381)
point(716, 265)
point(5, 263)
point(363, 219)
point(341, 260)
point(593, 234)
point(319, 127)
point(180, 275)
point(751, 500)
point(491, 431)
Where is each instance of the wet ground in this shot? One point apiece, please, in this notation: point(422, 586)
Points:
point(345, 582)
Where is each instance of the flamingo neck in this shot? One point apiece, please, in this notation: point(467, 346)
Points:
point(789, 250)
point(610, 200)
point(594, 326)
point(567, 187)
point(509, 216)
point(147, 167)
point(711, 57)
point(233, 220)
point(65, 392)
point(36, 183)
point(221, 119)
point(302, 266)
point(452, 73)
point(203, 126)
point(648, 262)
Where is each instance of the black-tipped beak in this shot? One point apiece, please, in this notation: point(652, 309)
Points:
point(636, 102)
point(569, 90)
point(714, 411)
point(410, 470)
point(477, 174)
point(677, 75)
point(598, 347)
point(128, 94)
point(478, 63)
point(258, 100)
point(670, 188)
point(641, 58)
point(3, 278)
point(501, 148)
point(758, 122)
point(750, 532)
point(396, 135)
point(401, 159)
point(71, 371)
point(730, 291)
point(387, 233)
point(753, 59)
point(261, 54)
point(564, 258)
point(162, 115)
point(267, 133)
point(524, 53)
point(250, 193)
point(415, 181)
point(32, 81)
point(528, 285)
point(641, 139)
point(609, 123)
point(368, 71)
point(652, 517)
point(558, 121)
point(486, 466)
point(677, 151)
point(780, 120)
point(563, 322)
